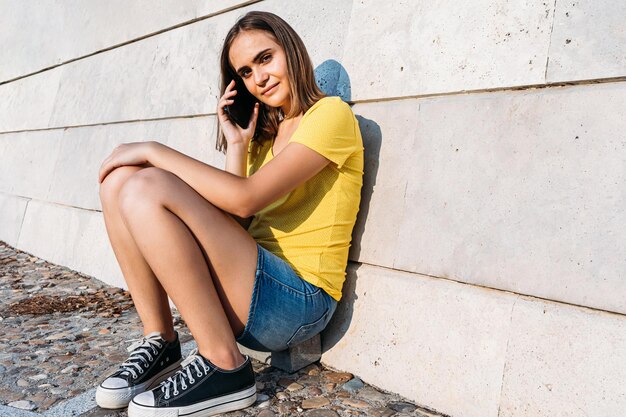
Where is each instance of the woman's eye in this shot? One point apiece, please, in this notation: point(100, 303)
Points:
point(245, 73)
point(267, 58)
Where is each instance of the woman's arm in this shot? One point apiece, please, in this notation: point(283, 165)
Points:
point(237, 138)
point(238, 195)
point(236, 155)
point(236, 163)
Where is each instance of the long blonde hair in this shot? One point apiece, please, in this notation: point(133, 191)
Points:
point(303, 89)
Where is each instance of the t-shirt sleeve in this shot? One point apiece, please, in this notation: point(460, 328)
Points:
point(329, 129)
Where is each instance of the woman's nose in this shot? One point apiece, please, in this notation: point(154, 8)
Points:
point(260, 77)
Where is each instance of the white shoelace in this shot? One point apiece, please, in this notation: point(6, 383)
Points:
point(184, 375)
point(139, 348)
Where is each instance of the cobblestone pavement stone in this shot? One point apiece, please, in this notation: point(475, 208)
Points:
point(78, 330)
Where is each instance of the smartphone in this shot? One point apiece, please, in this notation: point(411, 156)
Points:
point(243, 105)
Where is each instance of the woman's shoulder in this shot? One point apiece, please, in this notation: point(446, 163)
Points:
point(329, 107)
point(328, 117)
point(330, 101)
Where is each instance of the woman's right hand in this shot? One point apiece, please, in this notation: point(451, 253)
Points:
point(232, 131)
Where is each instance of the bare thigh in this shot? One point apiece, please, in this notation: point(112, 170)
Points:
point(230, 252)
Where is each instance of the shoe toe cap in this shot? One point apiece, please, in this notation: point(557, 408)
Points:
point(145, 398)
point(113, 383)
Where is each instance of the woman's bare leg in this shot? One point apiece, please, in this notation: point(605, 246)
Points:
point(148, 294)
point(177, 231)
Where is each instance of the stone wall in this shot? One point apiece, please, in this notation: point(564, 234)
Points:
point(487, 273)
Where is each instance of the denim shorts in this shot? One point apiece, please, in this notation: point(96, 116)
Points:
point(285, 309)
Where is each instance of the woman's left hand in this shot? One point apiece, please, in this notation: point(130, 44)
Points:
point(135, 153)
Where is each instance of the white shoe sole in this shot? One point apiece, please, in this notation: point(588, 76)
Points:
point(224, 404)
point(114, 398)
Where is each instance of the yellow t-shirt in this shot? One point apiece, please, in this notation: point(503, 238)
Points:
point(311, 227)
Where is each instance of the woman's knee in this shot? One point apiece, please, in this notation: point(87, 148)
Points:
point(146, 185)
point(113, 183)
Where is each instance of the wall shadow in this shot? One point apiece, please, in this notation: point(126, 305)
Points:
point(340, 322)
point(372, 141)
point(333, 80)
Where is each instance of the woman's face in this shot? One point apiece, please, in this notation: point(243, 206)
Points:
point(262, 64)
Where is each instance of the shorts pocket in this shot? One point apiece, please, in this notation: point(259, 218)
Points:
point(307, 331)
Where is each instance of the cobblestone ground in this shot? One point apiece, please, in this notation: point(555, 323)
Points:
point(61, 331)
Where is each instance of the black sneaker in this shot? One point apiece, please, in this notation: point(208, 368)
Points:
point(152, 360)
point(198, 389)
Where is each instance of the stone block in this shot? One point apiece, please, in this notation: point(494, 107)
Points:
point(299, 356)
point(166, 75)
point(588, 41)
point(71, 237)
point(483, 189)
point(75, 180)
point(387, 146)
point(263, 357)
point(28, 162)
point(436, 342)
point(290, 360)
point(418, 48)
point(59, 34)
point(62, 166)
point(564, 360)
point(28, 103)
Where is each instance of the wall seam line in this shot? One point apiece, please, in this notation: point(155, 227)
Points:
point(117, 122)
point(19, 232)
point(557, 84)
point(506, 354)
point(52, 203)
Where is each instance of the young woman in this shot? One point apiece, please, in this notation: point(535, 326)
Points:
point(255, 253)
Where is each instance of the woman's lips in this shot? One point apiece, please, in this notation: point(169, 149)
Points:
point(271, 90)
